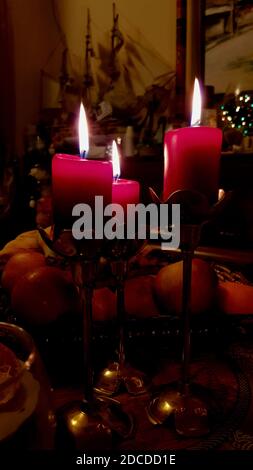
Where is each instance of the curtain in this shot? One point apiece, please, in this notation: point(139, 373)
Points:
point(7, 122)
point(7, 89)
point(181, 59)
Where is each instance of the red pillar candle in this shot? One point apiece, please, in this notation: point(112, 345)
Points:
point(78, 180)
point(192, 156)
point(123, 191)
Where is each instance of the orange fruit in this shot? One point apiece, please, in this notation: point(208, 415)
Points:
point(43, 295)
point(169, 282)
point(139, 298)
point(18, 265)
point(103, 304)
point(235, 298)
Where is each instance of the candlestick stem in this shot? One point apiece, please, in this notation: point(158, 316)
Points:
point(120, 307)
point(120, 372)
point(186, 300)
point(88, 279)
point(120, 268)
point(190, 234)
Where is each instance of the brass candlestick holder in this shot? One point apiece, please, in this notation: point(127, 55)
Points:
point(120, 373)
point(92, 422)
point(190, 411)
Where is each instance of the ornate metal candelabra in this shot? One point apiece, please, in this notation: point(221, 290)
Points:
point(190, 411)
point(120, 372)
point(93, 421)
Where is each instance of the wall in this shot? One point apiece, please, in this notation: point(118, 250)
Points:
point(35, 36)
point(7, 89)
point(149, 25)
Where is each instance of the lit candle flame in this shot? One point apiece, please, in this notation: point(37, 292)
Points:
point(221, 194)
point(83, 133)
point(196, 105)
point(237, 91)
point(115, 160)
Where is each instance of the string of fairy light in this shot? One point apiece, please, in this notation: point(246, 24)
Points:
point(238, 113)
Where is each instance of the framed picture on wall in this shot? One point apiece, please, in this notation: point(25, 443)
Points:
point(228, 40)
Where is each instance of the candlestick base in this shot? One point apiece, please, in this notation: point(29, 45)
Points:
point(163, 405)
point(92, 426)
point(116, 376)
point(191, 417)
point(190, 413)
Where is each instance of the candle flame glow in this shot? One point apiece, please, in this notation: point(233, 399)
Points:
point(196, 105)
point(221, 194)
point(115, 160)
point(83, 133)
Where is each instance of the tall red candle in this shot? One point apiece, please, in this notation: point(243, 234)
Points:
point(78, 180)
point(192, 156)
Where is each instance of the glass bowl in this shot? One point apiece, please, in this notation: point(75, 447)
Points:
point(11, 372)
point(26, 416)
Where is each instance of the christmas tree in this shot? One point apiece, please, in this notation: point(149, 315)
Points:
point(237, 112)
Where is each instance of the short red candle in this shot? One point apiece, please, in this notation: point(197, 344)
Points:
point(192, 161)
point(125, 192)
point(78, 180)
point(192, 156)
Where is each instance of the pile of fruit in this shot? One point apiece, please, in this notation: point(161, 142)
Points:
point(40, 292)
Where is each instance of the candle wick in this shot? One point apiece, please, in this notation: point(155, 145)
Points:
point(83, 154)
point(196, 124)
point(115, 178)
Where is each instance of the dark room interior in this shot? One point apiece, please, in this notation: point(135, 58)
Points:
point(126, 232)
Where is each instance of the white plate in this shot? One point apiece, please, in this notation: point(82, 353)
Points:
point(10, 421)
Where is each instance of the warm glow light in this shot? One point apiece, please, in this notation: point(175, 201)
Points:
point(196, 105)
point(221, 194)
point(108, 373)
point(165, 406)
point(74, 422)
point(83, 133)
point(115, 160)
